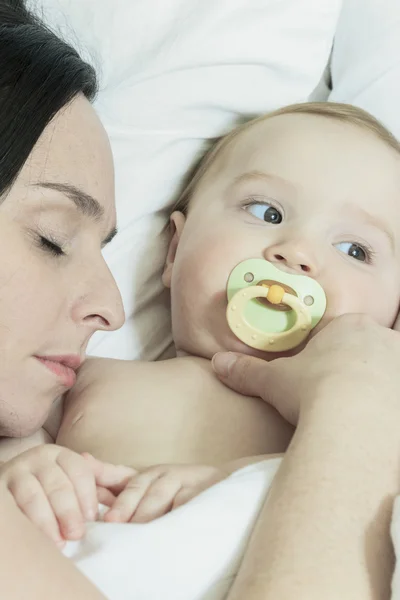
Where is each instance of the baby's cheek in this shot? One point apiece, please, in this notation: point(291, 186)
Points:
point(199, 293)
point(380, 304)
point(192, 286)
point(376, 301)
point(205, 262)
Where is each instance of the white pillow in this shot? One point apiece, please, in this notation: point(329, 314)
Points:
point(173, 74)
point(366, 59)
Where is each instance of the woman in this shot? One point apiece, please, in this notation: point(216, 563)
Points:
point(57, 211)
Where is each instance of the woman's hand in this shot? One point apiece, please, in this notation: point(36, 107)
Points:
point(324, 529)
point(59, 490)
point(351, 348)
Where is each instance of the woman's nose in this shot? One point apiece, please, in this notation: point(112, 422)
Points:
point(100, 307)
point(295, 256)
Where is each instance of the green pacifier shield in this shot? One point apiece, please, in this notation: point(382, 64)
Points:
point(267, 318)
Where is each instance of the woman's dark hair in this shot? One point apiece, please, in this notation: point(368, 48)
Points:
point(39, 75)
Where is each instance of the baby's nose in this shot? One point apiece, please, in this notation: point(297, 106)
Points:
point(293, 256)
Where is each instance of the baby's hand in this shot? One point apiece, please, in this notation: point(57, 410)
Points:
point(158, 490)
point(59, 490)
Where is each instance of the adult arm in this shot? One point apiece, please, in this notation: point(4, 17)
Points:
point(324, 529)
point(30, 565)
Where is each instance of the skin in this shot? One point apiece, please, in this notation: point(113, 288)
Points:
point(56, 291)
point(322, 177)
point(340, 475)
point(52, 576)
point(335, 187)
point(54, 294)
point(223, 228)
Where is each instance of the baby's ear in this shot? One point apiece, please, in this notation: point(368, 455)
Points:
point(177, 223)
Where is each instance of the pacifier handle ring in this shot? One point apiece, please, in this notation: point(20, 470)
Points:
point(264, 340)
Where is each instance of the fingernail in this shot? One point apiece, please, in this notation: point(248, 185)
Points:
point(74, 531)
point(222, 363)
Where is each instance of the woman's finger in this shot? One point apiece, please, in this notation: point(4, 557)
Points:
point(245, 374)
point(33, 502)
point(83, 482)
point(274, 382)
point(62, 495)
point(113, 477)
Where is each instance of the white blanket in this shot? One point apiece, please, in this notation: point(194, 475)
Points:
point(173, 74)
point(192, 553)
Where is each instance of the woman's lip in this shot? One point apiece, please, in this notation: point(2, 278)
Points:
point(65, 374)
point(73, 361)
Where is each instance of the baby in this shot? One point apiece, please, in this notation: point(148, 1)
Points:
point(311, 188)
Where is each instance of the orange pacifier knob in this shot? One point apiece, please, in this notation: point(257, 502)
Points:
point(275, 294)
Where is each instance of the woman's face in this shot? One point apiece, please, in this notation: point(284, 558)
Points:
point(55, 288)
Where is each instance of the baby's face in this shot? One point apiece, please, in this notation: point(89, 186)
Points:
point(311, 195)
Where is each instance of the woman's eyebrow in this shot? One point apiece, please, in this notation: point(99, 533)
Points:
point(85, 203)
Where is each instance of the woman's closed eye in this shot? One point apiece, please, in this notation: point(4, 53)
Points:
point(356, 251)
point(264, 211)
point(50, 246)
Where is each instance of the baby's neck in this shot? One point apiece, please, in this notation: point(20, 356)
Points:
point(173, 352)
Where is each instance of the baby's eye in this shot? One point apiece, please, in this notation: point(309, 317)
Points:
point(353, 250)
point(266, 212)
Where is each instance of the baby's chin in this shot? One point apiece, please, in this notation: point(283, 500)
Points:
point(206, 348)
point(205, 343)
point(268, 356)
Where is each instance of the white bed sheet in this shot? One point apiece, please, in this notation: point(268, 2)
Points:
point(192, 553)
point(173, 74)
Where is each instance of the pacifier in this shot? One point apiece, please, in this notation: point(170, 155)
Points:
point(271, 310)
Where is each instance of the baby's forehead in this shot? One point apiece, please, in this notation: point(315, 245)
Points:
point(333, 162)
point(312, 151)
point(300, 131)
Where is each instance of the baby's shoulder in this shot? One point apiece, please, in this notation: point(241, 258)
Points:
point(97, 370)
point(110, 378)
point(103, 371)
